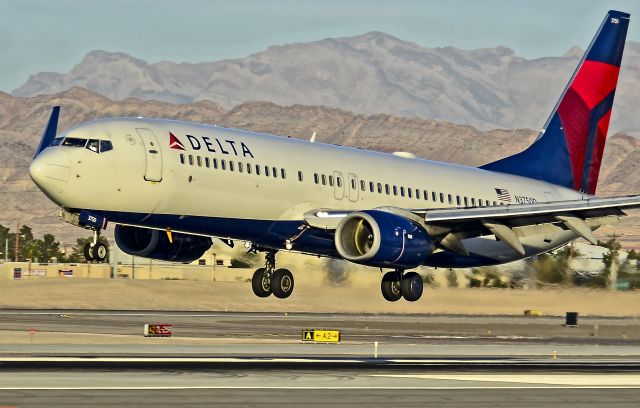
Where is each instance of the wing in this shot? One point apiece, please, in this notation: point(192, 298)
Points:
point(510, 222)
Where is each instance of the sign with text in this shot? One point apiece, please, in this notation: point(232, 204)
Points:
point(158, 330)
point(321, 336)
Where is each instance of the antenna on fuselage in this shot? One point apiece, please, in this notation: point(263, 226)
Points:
point(313, 137)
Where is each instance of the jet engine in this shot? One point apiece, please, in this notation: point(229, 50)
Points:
point(383, 239)
point(155, 244)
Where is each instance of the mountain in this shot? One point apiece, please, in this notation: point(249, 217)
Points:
point(22, 121)
point(369, 73)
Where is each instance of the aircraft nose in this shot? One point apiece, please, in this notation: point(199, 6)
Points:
point(50, 170)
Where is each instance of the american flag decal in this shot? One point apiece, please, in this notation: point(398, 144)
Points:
point(503, 195)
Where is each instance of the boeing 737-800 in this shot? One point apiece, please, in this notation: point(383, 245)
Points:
point(170, 187)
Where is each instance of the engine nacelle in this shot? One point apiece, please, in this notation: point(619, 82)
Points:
point(380, 238)
point(155, 244)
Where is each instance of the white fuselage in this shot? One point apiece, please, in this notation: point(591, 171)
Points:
point(143, 175)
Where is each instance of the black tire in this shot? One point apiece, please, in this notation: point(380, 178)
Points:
point(411, 286)
point(100, 252)
point(390, 287)
point(282, 283)
point(88, 252)
point(261, 283)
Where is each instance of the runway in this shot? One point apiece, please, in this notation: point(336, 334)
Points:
point(100, 358)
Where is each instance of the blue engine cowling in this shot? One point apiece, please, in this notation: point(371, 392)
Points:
point(383, 239)
point(155, 244)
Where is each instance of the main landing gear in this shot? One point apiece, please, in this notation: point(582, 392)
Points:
point(399, 284)
point(96, 250)
point(269, 280)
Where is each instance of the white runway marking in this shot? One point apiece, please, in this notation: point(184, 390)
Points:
point(573, 380)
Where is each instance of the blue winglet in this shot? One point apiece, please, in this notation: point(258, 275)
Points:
point(50, 131)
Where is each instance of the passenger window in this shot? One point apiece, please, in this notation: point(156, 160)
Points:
point(266, 171)
point(206, 162)
point(426, 195)
point(230, 165)
point(433, 196)
point(191, 160)
point(300, 175)
point(379, 188)
point(442, 198)
point(275, 172)
point(248, 168)
point(324, 180)
point(331, 181)
point(457, 200)
point(410, 193)
point(387, 189)
point(371, 186)
point(240, 167)
point(181, 158)
point(473, 202)
point(353, 184)
point(363, 185)
point(402, 191)
point(339, 181)
point(466, 202)
point(199, 161)
point(395, 190)
point(105, 146)
point(257, 169)
point(315, 178)
point(450, 197)
point(223, 164)
point(215, 163)
point(283, 173)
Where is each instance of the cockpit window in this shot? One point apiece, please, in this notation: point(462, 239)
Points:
point(74, 142)
point(93, 145)
point(105, 146)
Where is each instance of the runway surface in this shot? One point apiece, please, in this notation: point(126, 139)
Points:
point(100, 358)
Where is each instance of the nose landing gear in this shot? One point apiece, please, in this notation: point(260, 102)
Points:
point(398, 284)
point(96, 250)
point(269, 280)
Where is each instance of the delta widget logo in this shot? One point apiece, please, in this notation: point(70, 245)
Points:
point(174, 143)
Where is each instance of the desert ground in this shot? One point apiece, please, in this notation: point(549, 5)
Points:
point(356, 297)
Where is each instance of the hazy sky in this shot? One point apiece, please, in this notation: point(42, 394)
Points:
point(54, 35)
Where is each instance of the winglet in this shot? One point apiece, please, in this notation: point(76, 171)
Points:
point(50, 131)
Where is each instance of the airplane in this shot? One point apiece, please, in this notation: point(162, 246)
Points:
point(170, 187)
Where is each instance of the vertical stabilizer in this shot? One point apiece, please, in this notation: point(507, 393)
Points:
point(568, 151)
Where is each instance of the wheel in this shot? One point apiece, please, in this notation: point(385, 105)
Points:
point(88, 252)
point(411, 286)
point(261, 283)
point(99, 252)
point(390, 287)
point(282, 283)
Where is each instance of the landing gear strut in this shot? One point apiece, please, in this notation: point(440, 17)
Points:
point(96, 250)
point(269, 280)
point(399, 284)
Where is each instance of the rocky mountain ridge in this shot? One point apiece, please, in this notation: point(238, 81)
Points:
point(367, 74)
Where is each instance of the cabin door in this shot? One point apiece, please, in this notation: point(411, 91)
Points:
point(153, 155)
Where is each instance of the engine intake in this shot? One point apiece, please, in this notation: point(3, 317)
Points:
point(155, 244)
point(380, 238)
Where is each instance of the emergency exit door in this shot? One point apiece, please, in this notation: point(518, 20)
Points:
point(153, 155)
